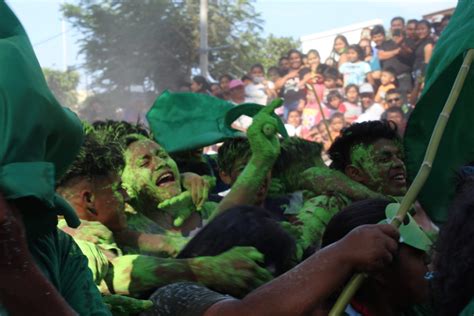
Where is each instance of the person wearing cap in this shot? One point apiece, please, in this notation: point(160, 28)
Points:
point(371, 110)
point(398, 287)
point(42, 270)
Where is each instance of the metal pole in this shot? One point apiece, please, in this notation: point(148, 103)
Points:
point(203, 50)
point(64, 44)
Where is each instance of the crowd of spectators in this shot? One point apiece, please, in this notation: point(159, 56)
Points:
point(381, 76)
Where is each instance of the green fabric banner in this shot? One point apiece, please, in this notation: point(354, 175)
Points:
point(457, 145)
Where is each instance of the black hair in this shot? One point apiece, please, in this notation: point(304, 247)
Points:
point(282, 58)
point(296, 156)
point(313, 51)
point(391, 70)
point(365, 133)
point(335, 116)
point(350, 86)
point(358, 50)
point(229, 77)
point(392, 91)
point(120, 131)
point(370, 211)
point(342, 38)
point(454, 263)
point(273, 69)
point(231, 150)
point(377, 29)
point(331, 73)
point(333, 94)
point(97, 157)
point(393, 109)
point(295, 51)
point(245, 77)
point(257, 65)
point(412, 21)
point(322, 69)
point(203, 82)
point(425, 22)
point(446, 17)
point(397, 18)
point(245, 226)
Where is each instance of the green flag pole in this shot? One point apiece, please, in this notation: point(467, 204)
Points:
point(423, 173)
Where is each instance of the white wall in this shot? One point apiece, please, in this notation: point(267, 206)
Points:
point(323, 41)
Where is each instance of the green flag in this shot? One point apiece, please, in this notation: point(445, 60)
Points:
point(186, 121)
point(38, 138)
point(457, 145)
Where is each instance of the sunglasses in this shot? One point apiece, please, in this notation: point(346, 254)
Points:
point(393, 100)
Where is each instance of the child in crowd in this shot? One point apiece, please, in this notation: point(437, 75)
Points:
point(334, 103)
point(293, 125)
point(353, 109)
point(387, 82)
point(336, 124)
point(355, 70)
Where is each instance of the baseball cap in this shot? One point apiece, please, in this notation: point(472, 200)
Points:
point(235, 83)
point(366, 88)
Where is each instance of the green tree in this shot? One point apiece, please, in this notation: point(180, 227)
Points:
point(63, 84)
point(273, 48)
point(154, 44)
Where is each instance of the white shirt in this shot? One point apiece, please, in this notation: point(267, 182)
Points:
point(373, 113)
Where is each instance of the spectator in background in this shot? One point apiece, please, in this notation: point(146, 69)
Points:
point(339, 50)
point(371, 110)
point(237, 91)
point(444, 23)
point(199, 84)
point(224, 82)
point(390, 56)
point(284, 64)
point(216, 90)
point(393, 98)
point(372, 59)
point(387, 82)
point(331, 77)
point(336, 124)
point(424, 49)
point(334, 103)
point(293, 126)
point(246, 80)
point(396, 115)
point(331, 62)
point(355, 70)
point(397, 23)
point(410, 29)
point(353, 109)
point(273, 74)
point(260, 90)
point(291, 84)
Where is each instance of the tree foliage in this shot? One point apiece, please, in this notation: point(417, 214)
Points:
point(154, 44)
point(63, 84)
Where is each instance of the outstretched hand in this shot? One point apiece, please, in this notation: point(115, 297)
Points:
point(235, 272)
point(198, 186)
point(262, 134)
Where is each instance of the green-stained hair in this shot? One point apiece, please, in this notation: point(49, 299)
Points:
point(231, 150)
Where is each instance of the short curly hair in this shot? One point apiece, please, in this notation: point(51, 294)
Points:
point(231, 150)
point(365, 133)
point(96, 158)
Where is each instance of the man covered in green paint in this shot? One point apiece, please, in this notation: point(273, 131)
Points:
point(163, 200)
point(371, 154)
point(93, 186)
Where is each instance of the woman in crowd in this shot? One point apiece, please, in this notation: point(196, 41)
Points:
point(424, 48)
point(199, 84)
point(291, 84)
point(339, 51)
point(224, 82)
point(372, 58)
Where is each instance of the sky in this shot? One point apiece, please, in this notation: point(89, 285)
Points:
point(42, 20)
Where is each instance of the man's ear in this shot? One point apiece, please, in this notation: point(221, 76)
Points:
point(355, 173)
point(225, 177)
point(88, 202)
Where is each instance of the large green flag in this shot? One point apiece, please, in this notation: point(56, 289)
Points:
point(38, 138)
point(457, 145)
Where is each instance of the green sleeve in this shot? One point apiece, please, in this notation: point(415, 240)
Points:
point(76, 282)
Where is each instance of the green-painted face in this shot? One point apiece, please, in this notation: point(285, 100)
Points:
point(150, 173)
point(381, 166)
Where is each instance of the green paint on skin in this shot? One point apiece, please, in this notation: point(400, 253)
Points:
point(124, 305)
point(363, 157)
point(315, 215)
point(321, 180)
